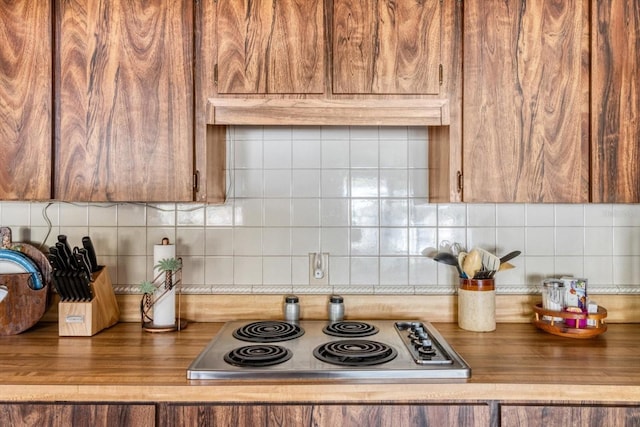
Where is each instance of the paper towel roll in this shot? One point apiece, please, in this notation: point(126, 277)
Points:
point(164, 309)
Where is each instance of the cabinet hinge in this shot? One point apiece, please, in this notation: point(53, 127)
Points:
point(196, 181)
point(215, 74)
point(460, 182)
point(440, 74)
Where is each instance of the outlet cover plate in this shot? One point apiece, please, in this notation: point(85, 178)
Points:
point(325, 269)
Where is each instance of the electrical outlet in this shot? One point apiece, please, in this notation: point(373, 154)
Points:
point(319, 268)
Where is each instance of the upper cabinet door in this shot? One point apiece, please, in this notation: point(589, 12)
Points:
point(124, 83)
point(25, 100)
point(269, 46)
point(615, 116)
point(526, 101)
point(386, 47)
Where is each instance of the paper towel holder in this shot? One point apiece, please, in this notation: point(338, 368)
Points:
point(167, 280)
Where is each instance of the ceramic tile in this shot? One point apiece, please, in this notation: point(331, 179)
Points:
point(418, 154)
point(452, 215)
point(394, 271)
point(304, 240)
point(277, 183)
point(339, 272)
point(422, 271)
point(247, 241)
point(248, 183)
point(393, 132)
point(538, 268)
point(452, 235)
point(569, 266)
point(335, 183)
point(132, 270)
point(393, 153)
point(102, 215)
point(190, 214)
point(335, 240)
point(418, 183)
point(539, 215)
point(218, 270)
point(364, 183)
point(247, 270)
point(190, 241)
point(306, 154)
point(363, 132)
point(276, 241)
point(300, 272)
point(74, 214)
point(481, 237)
point(334, 212)
point(393, 183)
point(276, 271)
point(41, 214)
point(510, 215)
point(598, 215)
point(132, 241)
point(132, 215)
point(248, 213)
point(599, 271)
point(481, 215)
point(219, 241)
point(335, 154)
point(394, 213)
point(248, 154)
point(598, 241)
point(335, 132)
point(364, 153)
point(365, 212)
point(278, 133)
point(306, 183)
point(540, 241)
point(246, 132)
point(364, 241)
point(155, 236)
point(394, 241)
point(626, 241)
point(271, 289)
point(626, 215)
point(193, 270)
point(364, 271)
point(306, 212)
point(306, 132)
point(220, 215)
point(277, 154)
point(422, 213)
point(569, 215)
point(105, 241)
point(509, 239)
point(158, 215)
point(418, 132)
point(277, 212)
point(423, 240)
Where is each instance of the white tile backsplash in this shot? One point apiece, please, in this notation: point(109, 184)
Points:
point(359, 193)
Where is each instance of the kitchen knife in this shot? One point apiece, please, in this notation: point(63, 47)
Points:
point(81, 261)
point(68, 253)
point(91, 253)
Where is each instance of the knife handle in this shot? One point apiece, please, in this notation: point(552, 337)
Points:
point(91, 253)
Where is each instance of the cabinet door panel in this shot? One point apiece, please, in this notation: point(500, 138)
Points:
point(386, 47)
point(616, 101)
point(124, 80)
point(577, 416)
point(525, 103)
point(25, 100)
point(268, 46)
point(55, 415)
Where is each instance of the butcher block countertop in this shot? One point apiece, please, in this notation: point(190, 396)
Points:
point(517, 362)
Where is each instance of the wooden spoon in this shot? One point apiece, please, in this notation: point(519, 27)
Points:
point(472, 263)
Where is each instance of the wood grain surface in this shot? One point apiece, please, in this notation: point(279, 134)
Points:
point(124, 75)
point(526, 102)
point(269, 46)
point(25, 100)
point(615, 99)
point(386, 47)
point(517, 362)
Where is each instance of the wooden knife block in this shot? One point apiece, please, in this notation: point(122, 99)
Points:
point(85, 319)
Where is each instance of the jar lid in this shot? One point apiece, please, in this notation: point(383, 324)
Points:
point(291, 299)
point(553, 283)
point(335, 299)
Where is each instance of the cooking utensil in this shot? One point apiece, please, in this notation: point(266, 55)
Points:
point(449, 259)
point(461, 257)
point(490, 262)
point(508, 257)
point(472, 263)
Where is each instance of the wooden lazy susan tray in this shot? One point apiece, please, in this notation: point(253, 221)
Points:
point(571, 325)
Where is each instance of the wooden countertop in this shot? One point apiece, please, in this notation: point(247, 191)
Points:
point(517, 362)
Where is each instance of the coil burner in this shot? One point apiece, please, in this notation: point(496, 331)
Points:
point(258, 355)
point(355, 353)
point(268, 331)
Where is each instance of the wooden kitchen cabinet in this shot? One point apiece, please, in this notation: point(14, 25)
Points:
point(526, 101)
point(124, 101)
point(269, 46)
point(351, 415)
point(385, 47)
point(578, 416)
point(25, 99)
point(61, 415)
point(615, 101)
